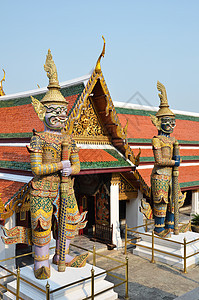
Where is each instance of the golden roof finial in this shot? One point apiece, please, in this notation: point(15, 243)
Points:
point(164, 106)
point(1, 87)
point(98, 67)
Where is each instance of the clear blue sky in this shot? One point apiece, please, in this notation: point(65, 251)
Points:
point(146, 41)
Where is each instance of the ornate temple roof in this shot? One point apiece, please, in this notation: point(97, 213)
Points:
point(140, 129)
point(8, 189)
point(92, 120)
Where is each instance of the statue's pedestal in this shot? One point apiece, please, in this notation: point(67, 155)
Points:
point(167, 245)
point(59, 279)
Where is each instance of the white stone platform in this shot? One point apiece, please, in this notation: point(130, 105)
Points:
point(58, 279)
point(168, 246)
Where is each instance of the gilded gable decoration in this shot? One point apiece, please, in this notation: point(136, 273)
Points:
point(82, 103)
point(1, 86)
point(126, 190)
point(88, 129)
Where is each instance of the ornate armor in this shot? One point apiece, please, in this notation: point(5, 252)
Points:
point(161, 178)
point(45, 152)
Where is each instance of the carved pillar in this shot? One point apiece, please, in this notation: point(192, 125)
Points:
point(114, 209)
point(195, 202)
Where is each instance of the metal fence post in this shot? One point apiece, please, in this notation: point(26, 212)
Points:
point(47, 291)
point(94, 256)
point(92, 284)
point(152, 258)
point(146, 227)
point(185, 256)
point(125, 247)
point(127, 279)
point(18, 283)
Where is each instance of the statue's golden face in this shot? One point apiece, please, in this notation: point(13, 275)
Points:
point(167, 124)
point(55, 116)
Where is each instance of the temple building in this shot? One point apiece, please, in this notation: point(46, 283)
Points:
point(108, 176)
point(114, 174)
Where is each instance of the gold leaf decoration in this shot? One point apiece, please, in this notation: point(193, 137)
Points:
point(156, 122)
point(88, 124)
point(39, 108)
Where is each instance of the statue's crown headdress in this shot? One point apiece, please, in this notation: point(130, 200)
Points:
point(53, 95)
point(164, 110)
point(164, 106)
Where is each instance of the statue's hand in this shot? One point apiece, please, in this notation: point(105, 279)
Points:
point(177, 160)
point(66, 171)
point(66, 164)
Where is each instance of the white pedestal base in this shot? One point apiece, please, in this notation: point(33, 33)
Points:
point(59, 279)
point(170, 247)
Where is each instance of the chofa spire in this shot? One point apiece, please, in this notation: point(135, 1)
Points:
point(98, 66)
point(1, 86)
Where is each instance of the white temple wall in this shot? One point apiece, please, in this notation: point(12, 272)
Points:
point(195, 202)
point(133, 215)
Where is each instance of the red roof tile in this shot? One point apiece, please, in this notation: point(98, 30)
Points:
point(183, 152)
point(141, 127)
point(138, 126)
point(186, 174)
point(144, 152)
point(19, 119)
point(95, 155)
point(9, 188)
point(22, 118)
point(19, 154)
point(71, 101)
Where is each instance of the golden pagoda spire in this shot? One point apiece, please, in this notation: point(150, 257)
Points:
point(98, 67)
point(1, 86)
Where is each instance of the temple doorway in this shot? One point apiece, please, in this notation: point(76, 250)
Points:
point(93, 194)
point(23, 219)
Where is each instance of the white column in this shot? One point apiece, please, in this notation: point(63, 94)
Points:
point(134, 217)
point(10, 249)
point(114, 210)
point(7, 251)
point(195, 202)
